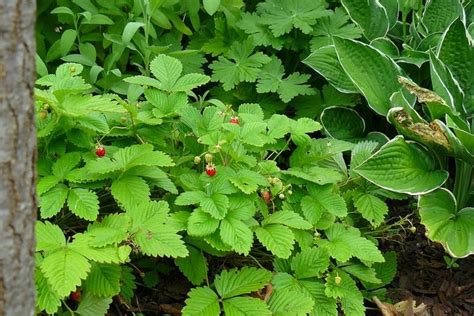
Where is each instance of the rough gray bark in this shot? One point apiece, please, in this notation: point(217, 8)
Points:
point(17, 157)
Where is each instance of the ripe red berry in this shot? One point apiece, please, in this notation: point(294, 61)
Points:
point(266, 196)
point(100, 151)
point(234, 120)
point(76, 295)
point(211, 169)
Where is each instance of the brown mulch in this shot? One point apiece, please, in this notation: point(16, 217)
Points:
point(424, 278)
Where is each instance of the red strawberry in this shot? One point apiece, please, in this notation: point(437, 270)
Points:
point(100, 151)
point(211, 169)
point(76, 295)
point(266, 196)
point(234, 120)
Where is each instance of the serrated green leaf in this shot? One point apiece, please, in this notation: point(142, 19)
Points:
point(362, 272)
point(46, 183)
point(287, 218)
point(278, 239)
point(201, 223)
point(53, 201)
point(84, 203)
point(310, 263)
point(201, 301)
point(130, 191)
point(278, 126)
point(148, 214)
point(194, 266)
point(287, 302)
point(163, 242)
point(81, 245)
point(167, 70)
point(215, 205)
point(103, 280)
point(46, 298)
point(284, 15)
point(316, 175)
point(340, 285)
point(143, 81)
point(150, 232)
point(239, 64)
point(248, 181)
point(402, 167)
point(236, 234)
point(190, 198)
point(49, 237)
point(190, 81)
point(230, 283)
point(65, 164)
point(361, 152)
point(111, 230)
point(64, 270)
point(249, 306)
point(260, 34)
point(92, 305)
point(346, 242)
point(323, 305)
point(271, 80)
point(323, 199)
point(127, 283)
point(336, 24)
point(81, 105)
point(372, 208)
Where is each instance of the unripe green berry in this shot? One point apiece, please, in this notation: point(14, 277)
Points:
point(208, 157)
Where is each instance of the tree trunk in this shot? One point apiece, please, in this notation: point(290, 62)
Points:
point(17, 157)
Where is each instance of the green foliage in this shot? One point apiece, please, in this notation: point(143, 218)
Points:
point(229, 286)
point(388, 72)
point(220, 144)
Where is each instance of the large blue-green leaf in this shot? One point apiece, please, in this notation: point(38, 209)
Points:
point(445, 85)
point(402, 167)
point(324, 61)
point(457, 53)
point(342, 123)
point(374, 74)
point(370, 15)
point(439, 14)
point(446, 224)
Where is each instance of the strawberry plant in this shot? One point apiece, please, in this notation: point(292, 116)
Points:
point(162, 202)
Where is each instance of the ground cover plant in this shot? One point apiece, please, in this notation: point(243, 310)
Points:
point(242, 145)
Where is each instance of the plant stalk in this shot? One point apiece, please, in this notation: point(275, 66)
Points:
point(462, 183)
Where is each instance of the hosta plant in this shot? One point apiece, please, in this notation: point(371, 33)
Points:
point(425, 90)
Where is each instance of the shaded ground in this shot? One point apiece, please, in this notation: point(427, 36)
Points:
point(424, 277)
